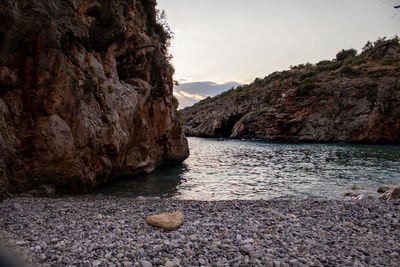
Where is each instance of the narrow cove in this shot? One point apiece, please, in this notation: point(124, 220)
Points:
point(222, 169)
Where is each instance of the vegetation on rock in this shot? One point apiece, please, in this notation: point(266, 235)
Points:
point(354, 98)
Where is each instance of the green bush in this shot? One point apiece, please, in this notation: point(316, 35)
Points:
point(175, 102)
point(308, 80)
point(180, 117)
point(344, 54)
point(327, 65)
point(89, 86)
point(323, 63)
point(390, 61)
point(307, 74)
point(301, 66)
point(262, 111)
point(349, 71)
point(267, 99)
point(110, 89)
point(376, 74)
point(305, 89)
point(281, 109)
point(358, 60)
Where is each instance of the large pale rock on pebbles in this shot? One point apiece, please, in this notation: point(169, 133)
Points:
point(168, 221)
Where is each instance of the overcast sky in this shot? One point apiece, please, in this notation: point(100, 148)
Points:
point(237, 40)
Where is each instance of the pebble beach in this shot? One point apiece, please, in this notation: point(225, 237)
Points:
point(111, 231)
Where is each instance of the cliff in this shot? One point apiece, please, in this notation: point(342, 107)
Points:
point(354, 98)
point(85, 94)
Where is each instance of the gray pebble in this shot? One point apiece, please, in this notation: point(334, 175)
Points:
point(232, 233)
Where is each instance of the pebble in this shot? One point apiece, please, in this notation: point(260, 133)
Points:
point(309, 232)
point(246, 249)
point(169, 264)
point(202, 261)
point(144, 264)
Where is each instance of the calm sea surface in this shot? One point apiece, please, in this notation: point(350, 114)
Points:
point(220, 169)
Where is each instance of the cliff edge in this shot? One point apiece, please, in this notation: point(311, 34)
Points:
point(353, 98)
point(85, 94)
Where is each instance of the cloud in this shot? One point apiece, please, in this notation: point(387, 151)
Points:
point(190, 93)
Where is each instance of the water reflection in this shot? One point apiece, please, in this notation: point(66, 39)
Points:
point(163, 182)
point(234, 169)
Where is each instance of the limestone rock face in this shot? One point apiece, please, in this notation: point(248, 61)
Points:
point(85, 94)
point(168, 221)
point(356, 100)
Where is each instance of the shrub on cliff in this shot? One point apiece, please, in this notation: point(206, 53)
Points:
point(305, 89)
point(345, 54)
point(308, 74)
point(163, 30)
point(328, 65)
point(175, 102)
point(349, 71)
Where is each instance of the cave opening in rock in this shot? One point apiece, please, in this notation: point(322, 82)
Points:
point(227, 125)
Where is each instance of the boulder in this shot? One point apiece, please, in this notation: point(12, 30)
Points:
point(383, 189)
point(168, 221)
point(391, 194)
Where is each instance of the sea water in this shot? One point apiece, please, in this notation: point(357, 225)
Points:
point(223, 169)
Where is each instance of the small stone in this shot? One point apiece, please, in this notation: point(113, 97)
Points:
point(248, 240)
point(168, 263)
point(16, 206)
point(247, 249)
point(140, 198)
point(19, 243)
point(145, 264)
point(256, 254)
point(168, 221)
point(351, 194)
point(96, 263)
point(202, 261)
point(362, 197)
point(99, 216)
point(176, 261)
point(42, 257)
point(383, 189)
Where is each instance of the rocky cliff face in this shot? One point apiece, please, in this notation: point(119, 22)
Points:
point(85, 94)
point(355, 98)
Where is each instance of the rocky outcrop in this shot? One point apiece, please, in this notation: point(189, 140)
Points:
point(355, 98)
point(85, 94)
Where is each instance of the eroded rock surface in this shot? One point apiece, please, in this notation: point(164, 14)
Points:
point(352, 100)
point(85, 94)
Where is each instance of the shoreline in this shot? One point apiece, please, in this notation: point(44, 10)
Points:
point(111, 231)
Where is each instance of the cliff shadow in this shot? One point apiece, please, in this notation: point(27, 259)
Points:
point(163, 183)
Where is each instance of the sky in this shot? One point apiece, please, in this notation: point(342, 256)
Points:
point(222, 41)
